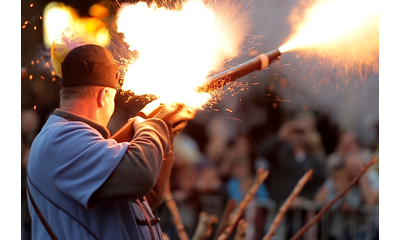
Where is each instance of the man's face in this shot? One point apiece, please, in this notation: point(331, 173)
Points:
point(109, 104)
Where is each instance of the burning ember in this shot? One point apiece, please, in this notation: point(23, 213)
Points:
point(179, 48)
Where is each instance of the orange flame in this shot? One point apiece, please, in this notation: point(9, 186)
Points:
point(342, 33)
point(178, 48)
point(58, 17)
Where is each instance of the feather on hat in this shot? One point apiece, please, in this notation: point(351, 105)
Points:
point(80, 64)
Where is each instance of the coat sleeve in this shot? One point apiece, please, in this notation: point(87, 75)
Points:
point(142, 170)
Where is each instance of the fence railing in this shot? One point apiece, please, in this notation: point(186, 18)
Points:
point(357, 224)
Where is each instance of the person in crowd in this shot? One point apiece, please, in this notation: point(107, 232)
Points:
point(338, 180)
point(289, 156)
point(347, 143)
point(184, 194)
point(240, 145)
point(82, 184)
point(241, 179)
point(364, 192)
point(368, 184)
point(210, 191)
point(242, 174)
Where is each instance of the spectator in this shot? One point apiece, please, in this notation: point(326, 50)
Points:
point(347, 143)
point(184, 194)
point(240, 182)
point(289, 155)
point(368, 185)
point(365, 192)
point(338, 180)
point(211, 191)
point(241, 145)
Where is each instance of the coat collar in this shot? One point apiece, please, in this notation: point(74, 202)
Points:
point(74, 117)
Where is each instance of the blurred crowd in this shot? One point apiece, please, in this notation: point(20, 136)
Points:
point(209, 171)
point(204, 181)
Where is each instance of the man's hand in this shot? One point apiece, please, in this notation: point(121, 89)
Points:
point(175, 115)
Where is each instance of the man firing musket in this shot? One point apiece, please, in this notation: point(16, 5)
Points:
point(84, 184)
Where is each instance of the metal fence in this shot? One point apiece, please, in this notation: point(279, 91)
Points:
point(358, 224)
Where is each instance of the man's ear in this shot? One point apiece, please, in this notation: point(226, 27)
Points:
point(101, 96)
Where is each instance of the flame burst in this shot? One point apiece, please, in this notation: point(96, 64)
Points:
point(179, 47)
point(341, 33)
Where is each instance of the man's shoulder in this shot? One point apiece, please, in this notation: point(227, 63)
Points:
point(59, 131)
point(59, 125)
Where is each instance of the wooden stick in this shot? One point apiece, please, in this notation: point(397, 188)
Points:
point(283, 209)
point(329, 205)
point(235, 215)
point(241, 230)
point(225, 217)
point(204, 226)
point(176, 218)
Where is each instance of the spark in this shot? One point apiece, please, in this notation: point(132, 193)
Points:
point(231, 118)
point(228, 110)
point(275, 100)
point(211, 33)
point(281, 66)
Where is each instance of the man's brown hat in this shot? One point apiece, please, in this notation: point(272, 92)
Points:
point(89, 65)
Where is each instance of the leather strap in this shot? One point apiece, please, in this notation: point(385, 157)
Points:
point(51, 233)
point(140, 204)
